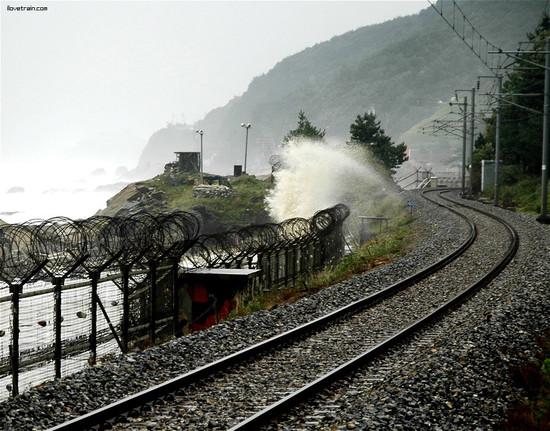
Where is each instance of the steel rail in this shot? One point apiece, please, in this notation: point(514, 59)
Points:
point(292, 400)
point(111, 411)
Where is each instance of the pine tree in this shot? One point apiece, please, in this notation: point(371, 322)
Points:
point(366, 131)
point(304, 130)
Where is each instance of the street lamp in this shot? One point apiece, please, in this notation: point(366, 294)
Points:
point(246, 126)
point(201, 133)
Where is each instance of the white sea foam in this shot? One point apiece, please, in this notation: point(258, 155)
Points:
point(316, 175)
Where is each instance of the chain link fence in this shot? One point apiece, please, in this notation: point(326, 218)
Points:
point(73, 291)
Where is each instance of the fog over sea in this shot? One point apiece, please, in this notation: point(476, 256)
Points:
point(36, 189)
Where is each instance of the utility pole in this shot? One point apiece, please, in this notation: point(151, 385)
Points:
point(246, 126)
point(464, 109)
point(497, 134)
point(544, 218)
point(472, 140)
point(497, 140)
point(464, 133)
point(201, 133)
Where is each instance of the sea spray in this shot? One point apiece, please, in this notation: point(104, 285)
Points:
point(316, 175)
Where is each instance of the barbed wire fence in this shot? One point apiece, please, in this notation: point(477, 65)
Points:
point(72, 291)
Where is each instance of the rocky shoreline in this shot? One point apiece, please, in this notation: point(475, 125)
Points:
point(133, 198)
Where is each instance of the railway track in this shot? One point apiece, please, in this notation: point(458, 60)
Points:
point(248, 388)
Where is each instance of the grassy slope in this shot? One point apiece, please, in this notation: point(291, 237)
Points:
point(524, 194)
point(245, 207)
point(381, 250)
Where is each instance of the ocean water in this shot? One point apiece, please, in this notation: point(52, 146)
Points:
point(30, 190)
point(34, 190)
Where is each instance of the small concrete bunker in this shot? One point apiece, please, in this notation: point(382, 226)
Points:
point(188, 161)
point(214, 292)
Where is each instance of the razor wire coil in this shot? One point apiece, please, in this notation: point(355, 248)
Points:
point(58, 244)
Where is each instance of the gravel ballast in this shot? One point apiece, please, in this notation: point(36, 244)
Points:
point(438, 232)
point(225, 399)
point(457, 374)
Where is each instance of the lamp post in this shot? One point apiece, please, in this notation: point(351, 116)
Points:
point(201, 133)
point(246, 126)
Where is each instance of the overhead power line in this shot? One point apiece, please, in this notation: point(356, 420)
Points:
point(483, 49)
point(470, 35)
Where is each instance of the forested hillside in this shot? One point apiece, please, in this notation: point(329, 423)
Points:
point(402, 69)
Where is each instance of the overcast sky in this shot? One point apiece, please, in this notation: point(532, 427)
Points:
point(88, 76)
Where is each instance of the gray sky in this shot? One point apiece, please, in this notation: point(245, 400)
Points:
point(95, 79)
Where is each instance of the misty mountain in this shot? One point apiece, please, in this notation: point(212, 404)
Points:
point(401, 68)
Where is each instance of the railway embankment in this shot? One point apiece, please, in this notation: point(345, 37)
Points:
point(461, 374)
point(500, 323)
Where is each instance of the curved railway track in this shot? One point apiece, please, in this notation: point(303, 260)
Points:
point(250, 387)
